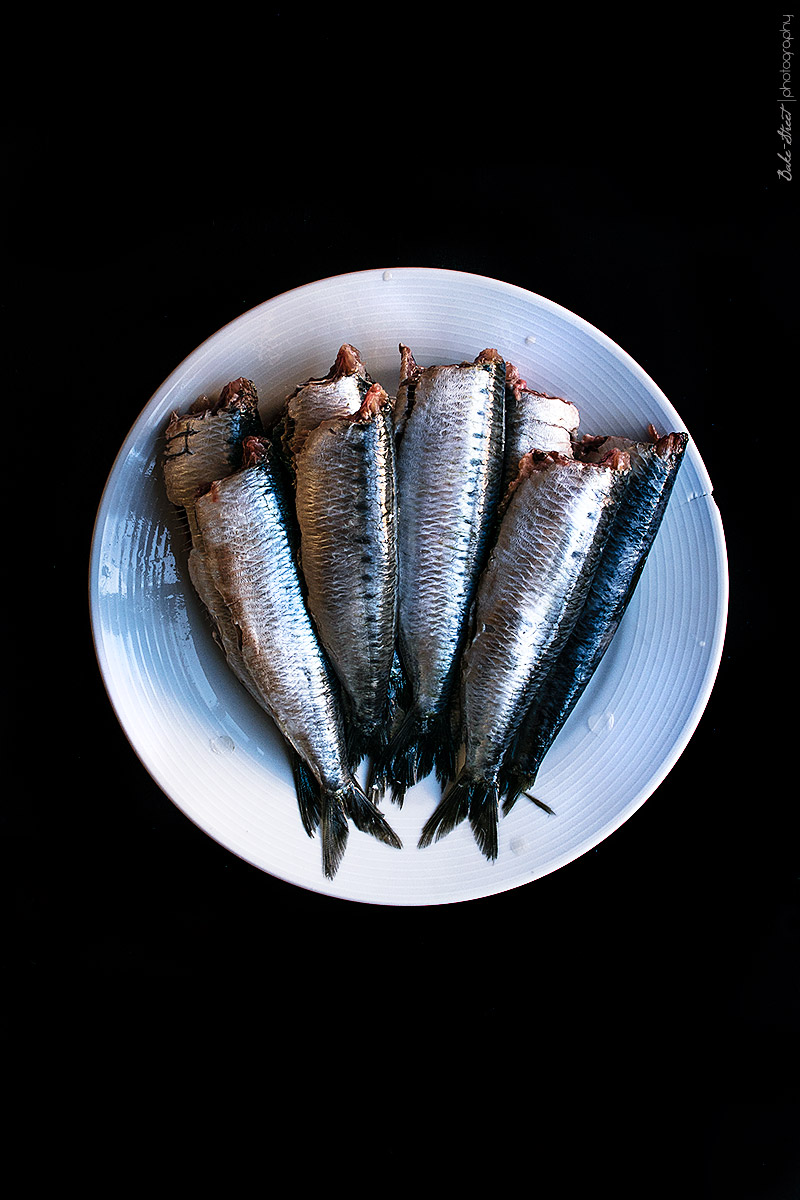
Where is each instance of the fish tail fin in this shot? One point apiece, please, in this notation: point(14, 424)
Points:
point(540, 803)
point(356, 747)
point(366, 743)
point(483, 817)
point(452, 809)
point(367, 817)
point(513, 784)
point(337, 808)
point(399, 687)
point(444, 760)
point(308, 798)
point(411, 752)
point(510, 798)
point(477, 800)
point(334, 831)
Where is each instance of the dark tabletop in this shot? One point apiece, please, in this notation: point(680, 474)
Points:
point(635, 184)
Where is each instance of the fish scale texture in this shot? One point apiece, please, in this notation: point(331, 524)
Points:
point(448, 476)
point(625, 551)
point(202, 447)
point(346, 510)
point(251, 562)
point(529, 598)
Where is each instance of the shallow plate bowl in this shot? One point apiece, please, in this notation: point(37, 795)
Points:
point(212, 750)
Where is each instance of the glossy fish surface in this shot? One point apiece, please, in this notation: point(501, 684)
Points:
point(449, 422)
point(528, 600)
point(654, 468)
point(205, 443)
point(347, 515)
point(340, 393)
point(243, 520)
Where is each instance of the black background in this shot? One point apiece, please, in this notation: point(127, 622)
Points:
point(626, 169)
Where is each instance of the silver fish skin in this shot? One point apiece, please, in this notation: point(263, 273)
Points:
point(449, 462)
point(205, 442)
point(534, 420)
point(251, 563)
point(529, 597)
point(202, 445)
point(346, 509)
point(654, 468)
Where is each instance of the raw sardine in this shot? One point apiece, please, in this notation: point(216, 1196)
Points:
point(529, 597)
point(202, 445)
point(534, 420)
point(347, 515)
point(449, 463)
point(243, 521)
point(654, 467)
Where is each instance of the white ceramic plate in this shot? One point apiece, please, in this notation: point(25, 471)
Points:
point(212, 750)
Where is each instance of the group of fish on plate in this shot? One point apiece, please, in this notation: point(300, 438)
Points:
point(427, 580)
